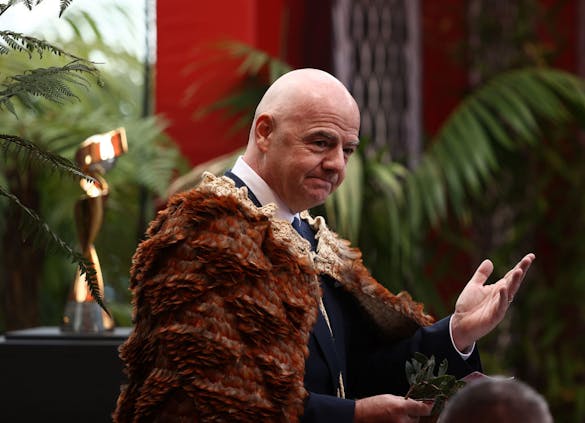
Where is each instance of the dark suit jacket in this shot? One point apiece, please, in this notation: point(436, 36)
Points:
point(368, 365)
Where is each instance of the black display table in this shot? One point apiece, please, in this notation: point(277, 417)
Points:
point(50, 376)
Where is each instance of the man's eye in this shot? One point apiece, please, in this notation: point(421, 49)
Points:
point(320, 143)
point(349, 151)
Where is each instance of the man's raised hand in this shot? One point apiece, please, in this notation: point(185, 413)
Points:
point(480, 307)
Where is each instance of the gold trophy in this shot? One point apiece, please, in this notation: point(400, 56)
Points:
point(95, 156)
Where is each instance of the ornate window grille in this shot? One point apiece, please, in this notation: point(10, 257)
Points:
point(376, 53)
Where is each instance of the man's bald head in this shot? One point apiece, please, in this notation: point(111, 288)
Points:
point(295, 88)
point(304, 131)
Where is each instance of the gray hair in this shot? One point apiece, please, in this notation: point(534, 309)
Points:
point(496, 399)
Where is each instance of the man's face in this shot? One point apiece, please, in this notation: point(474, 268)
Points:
point(307, 151)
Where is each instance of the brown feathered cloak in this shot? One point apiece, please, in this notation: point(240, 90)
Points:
point(225, 296)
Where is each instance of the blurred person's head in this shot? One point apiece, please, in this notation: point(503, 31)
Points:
point(498, 400)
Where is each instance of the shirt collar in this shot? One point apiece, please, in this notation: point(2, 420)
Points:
point(261, 190)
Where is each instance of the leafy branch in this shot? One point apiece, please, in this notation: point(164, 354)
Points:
point(33, 152)
point(56, 84)
point(15, 41)
point(425, 385)
point(51, 83)
point(31, 3)
point(42, 232)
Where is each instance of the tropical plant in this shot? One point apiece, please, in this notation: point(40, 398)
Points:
point(138, 178)
point(537, 203)
point(507, 115)
point(54, 84)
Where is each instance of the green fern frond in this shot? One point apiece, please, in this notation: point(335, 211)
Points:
point(51, 83)
point(17, 145)
point(64, 5)
point(5, 6)
point(43, 233)
point(28, 3)
point(511, 110)
point(31, 45)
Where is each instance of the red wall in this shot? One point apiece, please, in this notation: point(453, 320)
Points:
point(188, 74)
point(444, 73)
point(187, 29)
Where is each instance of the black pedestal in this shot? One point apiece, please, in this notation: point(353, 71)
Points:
point(50, 376)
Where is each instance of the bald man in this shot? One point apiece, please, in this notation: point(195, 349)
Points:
point(247, 308)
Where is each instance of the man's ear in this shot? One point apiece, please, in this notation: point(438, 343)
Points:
point(262, 130)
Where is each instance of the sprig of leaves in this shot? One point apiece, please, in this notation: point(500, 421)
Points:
point(425, 385)
point(28, 3)
point(53, 83)
point(64, 5)
point(33, 153)
point(42, 232)
point(31, 3)
point(15, 41)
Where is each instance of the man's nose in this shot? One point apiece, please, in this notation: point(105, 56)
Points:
point(335, 159)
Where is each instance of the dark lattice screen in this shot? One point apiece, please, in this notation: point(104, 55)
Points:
point(376, 54)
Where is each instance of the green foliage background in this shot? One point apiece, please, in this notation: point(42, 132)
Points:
point(137, 180)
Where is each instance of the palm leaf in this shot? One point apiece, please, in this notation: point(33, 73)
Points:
point(344, 206)
point(511, 110)
point(509, 113)
point(254, 61)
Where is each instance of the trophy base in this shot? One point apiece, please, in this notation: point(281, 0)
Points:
point(85, 317)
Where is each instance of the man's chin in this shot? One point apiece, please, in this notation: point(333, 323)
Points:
point(316, 200)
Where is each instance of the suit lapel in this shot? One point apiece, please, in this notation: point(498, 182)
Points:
point(323, 337)
point(240, 184)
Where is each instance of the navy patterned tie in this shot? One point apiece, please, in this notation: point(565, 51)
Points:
point(303, 228)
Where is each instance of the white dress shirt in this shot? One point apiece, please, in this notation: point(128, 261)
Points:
point(261, 190)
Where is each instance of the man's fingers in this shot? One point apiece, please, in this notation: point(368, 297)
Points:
point(483, 272)
point(504, 300)
point(523, 264)
point(526, 262)
point(418, 408)
point(514, 281)
point(516, 275)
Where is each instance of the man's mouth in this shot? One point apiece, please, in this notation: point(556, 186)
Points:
point(332, 180)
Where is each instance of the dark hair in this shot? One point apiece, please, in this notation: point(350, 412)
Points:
point(496, 399)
